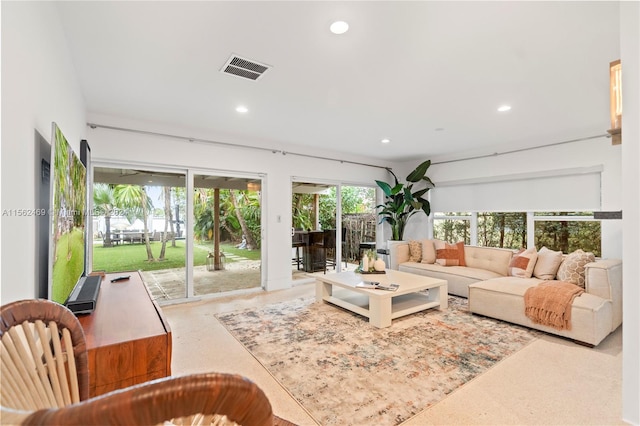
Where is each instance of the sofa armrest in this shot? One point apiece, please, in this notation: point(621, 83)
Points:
point(398, 253)
point(603, 278)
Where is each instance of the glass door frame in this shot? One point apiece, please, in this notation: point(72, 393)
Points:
point(192, 172)
point(338, 185)
point(159, 169)
point(189, 174)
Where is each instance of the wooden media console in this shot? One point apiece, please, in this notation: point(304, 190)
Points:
point(128, 337)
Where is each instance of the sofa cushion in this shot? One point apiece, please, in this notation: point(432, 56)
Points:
point(572, 267)
point(547, 264)
point(518, 287)
point(503, 298)
point(458, 277)
point(449, 254)
point(415, 251)
point(428, 252)
point(489, 258)
point(523, 263)
point(462, 271)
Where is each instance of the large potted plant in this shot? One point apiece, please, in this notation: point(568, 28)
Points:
point(402, 202)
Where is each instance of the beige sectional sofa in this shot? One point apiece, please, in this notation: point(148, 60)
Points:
point(493, 292)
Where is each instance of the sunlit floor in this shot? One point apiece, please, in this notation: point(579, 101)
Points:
point(168, 285)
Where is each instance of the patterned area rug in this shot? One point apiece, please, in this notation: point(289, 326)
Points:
point(344, 371)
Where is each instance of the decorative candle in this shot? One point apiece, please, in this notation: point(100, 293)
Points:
point(365, 263)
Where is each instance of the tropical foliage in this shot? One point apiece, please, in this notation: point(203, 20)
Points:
point(402, 202)
point(355, 200)
point(358, 215)
point(239, 215)
point(104, 204)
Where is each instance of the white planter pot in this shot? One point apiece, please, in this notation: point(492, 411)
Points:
point(392, 261)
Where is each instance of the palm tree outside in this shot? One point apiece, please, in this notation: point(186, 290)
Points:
point(134, 197)
point(104, 204)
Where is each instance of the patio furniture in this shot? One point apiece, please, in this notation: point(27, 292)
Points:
point(315, 255)
point(366, 245)
point(297, 242)
point(330, 246)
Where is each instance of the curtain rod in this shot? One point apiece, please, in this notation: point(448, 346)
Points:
point(495, 154)
point(230, 145)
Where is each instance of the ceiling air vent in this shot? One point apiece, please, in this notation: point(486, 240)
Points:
point(245, 68)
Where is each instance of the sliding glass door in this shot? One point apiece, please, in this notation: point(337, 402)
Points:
point(338, 218)
point(189, 234)
point(227, 229)
point(138, 225)
point(359, 221)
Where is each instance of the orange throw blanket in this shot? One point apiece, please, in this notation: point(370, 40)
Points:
point(549, 303)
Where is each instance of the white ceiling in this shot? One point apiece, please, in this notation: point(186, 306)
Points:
point(402, 71)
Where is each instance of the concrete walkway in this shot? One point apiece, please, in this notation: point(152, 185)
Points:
point(170, 284)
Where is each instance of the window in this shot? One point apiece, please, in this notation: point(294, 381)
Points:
point(452, 227)
point(568, 231)
point(563, 231)
point(504, 230)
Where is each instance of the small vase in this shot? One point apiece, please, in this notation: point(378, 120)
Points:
point(372, 260)
point(379, 265)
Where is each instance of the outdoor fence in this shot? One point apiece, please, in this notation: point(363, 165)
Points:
point(360, 227)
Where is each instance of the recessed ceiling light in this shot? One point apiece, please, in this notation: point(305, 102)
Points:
point(385, 140)
point(504, 108)
point(339, 27)
point(439, 129)
point(242, 109)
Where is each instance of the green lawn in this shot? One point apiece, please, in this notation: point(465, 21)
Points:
point(133, 257)
point(228, 248)
point(68, 264)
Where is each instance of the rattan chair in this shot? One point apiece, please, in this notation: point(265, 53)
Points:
point(43, 356)
point(45, 380)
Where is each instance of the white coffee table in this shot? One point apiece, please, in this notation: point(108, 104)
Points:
point(382, 306)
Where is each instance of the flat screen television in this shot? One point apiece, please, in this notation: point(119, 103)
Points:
point(68, 218)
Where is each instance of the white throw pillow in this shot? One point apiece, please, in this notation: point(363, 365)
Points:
point(428, 252)
point(547, 264)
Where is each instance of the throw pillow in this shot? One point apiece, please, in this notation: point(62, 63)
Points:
point(403, 252)
point(449, 254)
point(428, 252)
point(572, 267)
point(523, 263)
point(547, 264)
point(415, 251)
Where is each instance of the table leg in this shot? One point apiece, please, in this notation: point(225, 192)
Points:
point(380, 312)
point(440, 294)
point(323, 290)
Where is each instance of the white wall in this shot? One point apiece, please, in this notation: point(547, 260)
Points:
point(630, 59)
point(38, 86)
point(109, 146)
point(595, 152)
